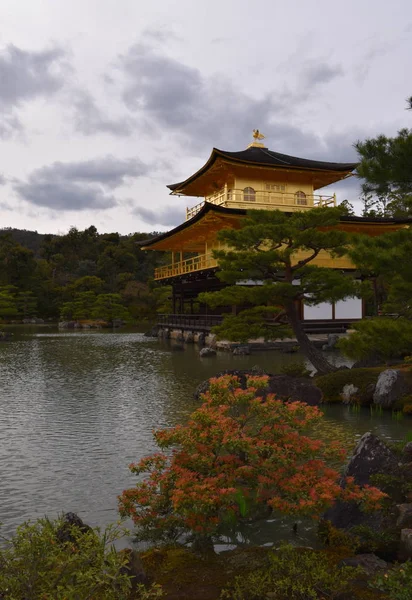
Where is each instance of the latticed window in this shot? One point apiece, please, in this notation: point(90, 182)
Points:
point(300, 198)
point(249, 194)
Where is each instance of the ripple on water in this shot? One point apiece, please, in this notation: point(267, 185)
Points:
point(76, 408)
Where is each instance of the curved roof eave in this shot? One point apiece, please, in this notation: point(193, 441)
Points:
point(208, 206)
point(263, 157)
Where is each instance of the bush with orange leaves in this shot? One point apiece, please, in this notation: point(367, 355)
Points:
point(241, 451)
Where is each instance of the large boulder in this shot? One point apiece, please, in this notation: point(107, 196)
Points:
point(389, 388)
point(283, 386)
point(370, 457)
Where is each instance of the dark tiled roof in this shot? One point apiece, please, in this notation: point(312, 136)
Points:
point(269, 158)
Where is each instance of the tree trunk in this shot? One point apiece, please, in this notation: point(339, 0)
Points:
point(315, 356)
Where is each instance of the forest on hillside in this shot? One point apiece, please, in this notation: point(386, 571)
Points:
point(81, 275)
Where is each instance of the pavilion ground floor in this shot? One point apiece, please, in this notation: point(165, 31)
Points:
point(188, 314)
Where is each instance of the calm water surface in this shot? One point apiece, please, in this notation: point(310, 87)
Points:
point(77, 408)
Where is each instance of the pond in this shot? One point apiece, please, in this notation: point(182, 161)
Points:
point(76, 408)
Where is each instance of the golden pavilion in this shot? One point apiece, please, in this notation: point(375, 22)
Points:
point(232, 183)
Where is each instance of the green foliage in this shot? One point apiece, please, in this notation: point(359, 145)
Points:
point(333, 383)
point(385, 167)
point(277, 250)
point(295, 574)
point(384, 338)
point(397, 582)
point(109, 307)
point(372, 540)
point(296, 369)
point(253, 323)
point(34, 564)
point(51, 282)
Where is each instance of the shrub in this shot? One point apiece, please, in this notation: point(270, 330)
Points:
point(381, 337)
point(297, 369)
point(333, 383)
point(34, 564)
point(239, 454)
point(293, 573)
point(397, 583)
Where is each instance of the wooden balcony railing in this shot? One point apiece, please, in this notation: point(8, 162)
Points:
point(197, 263)
point(263, 200)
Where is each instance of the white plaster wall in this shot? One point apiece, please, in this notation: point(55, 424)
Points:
point(318, 311)
point(351, 308)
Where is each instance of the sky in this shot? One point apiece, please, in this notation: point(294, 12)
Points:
point(105, 102)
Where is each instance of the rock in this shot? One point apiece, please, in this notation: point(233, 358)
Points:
point(207, 352)
point(241, 350)
point(200, 339)
point(296, 389)
point(67, 325)
point(404, 516)
point(407, 450)
point(134, 568)
point(389, 388)
point(370, 563)
point(349, 393)
point(188, 337)
point(370, 457)
point(5, 336)
point(283, 386)
point(406, 544)
point(153, 332)
point(65, 531)
point(369, 361)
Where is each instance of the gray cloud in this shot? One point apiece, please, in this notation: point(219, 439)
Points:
point(9, 125)
point(82, 185)
point(3, 180)
point(204, 111)
point(26, 75)
point(170, 216)
point(317, 73)
point(89, 119)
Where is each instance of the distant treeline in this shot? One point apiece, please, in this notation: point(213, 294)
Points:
point(81, 275)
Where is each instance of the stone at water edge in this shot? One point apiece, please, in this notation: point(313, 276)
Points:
point(389, 388)
point(207, 352)
point(283, 386)
point(70, 520)
point(348, 393)
point(370, 457)
point(241, 350)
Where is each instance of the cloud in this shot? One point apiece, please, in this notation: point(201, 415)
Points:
point(86, 185)
point(3, 180)
point(89, 119)
point(9, 125)
point(203, 111)
point(26, 75)
point(317, 73)
point(170, 216)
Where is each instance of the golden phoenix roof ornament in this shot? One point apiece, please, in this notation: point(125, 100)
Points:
point(257, 135)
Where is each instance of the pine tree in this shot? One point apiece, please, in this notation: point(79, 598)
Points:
point(276, 251)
